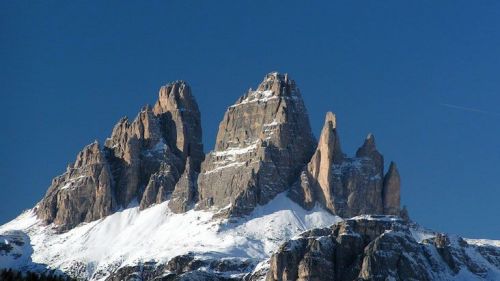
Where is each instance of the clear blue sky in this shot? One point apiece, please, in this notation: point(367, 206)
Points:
point(423, 76)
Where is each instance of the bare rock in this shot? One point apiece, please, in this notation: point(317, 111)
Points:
point(160, 185)
point(185, 192)
point(140, 163)
point(369, 150)
point(345, 186)
point(83, 193)
point(315, 181)
point(137, 150)
point(263, 142)
point(179, 110)
point(391, 192)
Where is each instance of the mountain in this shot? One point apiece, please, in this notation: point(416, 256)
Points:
point(263, 141)
point(381, 248)
point(269, 202)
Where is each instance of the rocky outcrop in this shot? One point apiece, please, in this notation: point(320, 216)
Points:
point(160, 185)
point(379, 248)
point(140, 163)
point(316, 179)
point(391, 191)
point(137, 151)
point(347, 186)
point(185, 192)
point(83, 193)
point(263, 142)
point(179, 111)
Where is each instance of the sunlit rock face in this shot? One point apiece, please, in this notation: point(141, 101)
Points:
point(263, 141)
point(347, 186)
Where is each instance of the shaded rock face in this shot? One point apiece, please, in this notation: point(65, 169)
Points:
point(140, 163)
point(263, 142)
point(391, 191)
point(185, 191)
point(179, 110)
point(83, 193)
point(347, 186)
point(378, 249)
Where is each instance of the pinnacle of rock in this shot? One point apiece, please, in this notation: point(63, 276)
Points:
point(346, 186)
point(391, 192)
point(369, 150)
point(179, 110)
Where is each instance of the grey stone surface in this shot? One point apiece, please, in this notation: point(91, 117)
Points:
point(83, 193)
point(391, 195)
point(263, 142)
point(347, 186)
point(185, 192)
point(140, 163)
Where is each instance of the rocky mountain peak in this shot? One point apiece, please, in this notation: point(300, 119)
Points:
point(90, 154)
point(330, 120)
point(280, 84)
point(347, 186)
point(368, 146)
point(391, 192)
point(175, 96)
point(315, 180)
point(179, 111)
point(264, 146)
point(369, 150)
point(329, 141)
point(141, 161)
point(263, 141)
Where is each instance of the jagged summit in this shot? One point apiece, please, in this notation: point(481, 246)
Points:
point(140, 162)
point(369, 150)
point(263, 141)
point(347, 186)
point(180, 112)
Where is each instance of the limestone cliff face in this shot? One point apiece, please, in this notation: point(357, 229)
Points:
point(83, 193)
point(185, 191)
point(391, 191)
point(141, 162)
point(179, 111)
point(347, 186)
point(378, 248)
point(263, 142)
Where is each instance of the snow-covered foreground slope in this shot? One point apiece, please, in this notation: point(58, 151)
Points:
point(130, 237)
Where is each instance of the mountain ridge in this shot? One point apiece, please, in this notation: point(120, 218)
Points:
point(263, 142)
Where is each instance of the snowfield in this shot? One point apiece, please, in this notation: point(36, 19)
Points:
point(156, 234)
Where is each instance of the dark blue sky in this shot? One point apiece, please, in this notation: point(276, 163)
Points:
point(421, 75)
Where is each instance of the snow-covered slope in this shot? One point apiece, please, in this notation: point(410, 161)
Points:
point(131, 237)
